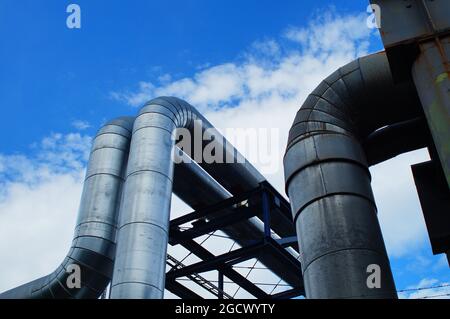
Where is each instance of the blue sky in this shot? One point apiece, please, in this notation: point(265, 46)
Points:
point(52, 75)
point(58, 85)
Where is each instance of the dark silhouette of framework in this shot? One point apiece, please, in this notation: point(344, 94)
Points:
point(264, 203)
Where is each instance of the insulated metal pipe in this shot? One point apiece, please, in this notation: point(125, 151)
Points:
point(208, 191)
point(93, 245)
point(396, 139)
point(328, 181)
point(139, 270)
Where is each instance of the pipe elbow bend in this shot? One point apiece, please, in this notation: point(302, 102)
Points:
point(92, 252)
point(181, 113)
point(337, 118)
point(328, 180)
point(325, 130)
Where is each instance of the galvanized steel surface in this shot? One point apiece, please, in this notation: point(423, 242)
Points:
point(93, 246)
point(328, 181)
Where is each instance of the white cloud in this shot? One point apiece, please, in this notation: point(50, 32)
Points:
point(265, 90)
point(269, 69)
point(328, 35)
point(81, 125)
point(55, 154)
point(38, 206)
point(41, 193)
point(398, 204)
point(427, 289)
point(267, 86)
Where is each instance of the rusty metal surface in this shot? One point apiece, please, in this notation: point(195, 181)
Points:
point(434, 198)
point(328, 181)
point(409, 20)
point(407, 23)
point(431, 75)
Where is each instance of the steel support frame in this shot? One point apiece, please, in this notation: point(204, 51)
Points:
point(267, 198)
point(431, 72)
point(418, 49)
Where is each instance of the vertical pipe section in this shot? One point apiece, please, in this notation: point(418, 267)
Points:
point(336, 218)
point(139, 271)
point(328, 183)
point(431, 73)
point(93, 246)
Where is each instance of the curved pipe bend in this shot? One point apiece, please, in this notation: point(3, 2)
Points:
point(139, 270)
point(237, 176)
point(328, 180)
point(93, 245)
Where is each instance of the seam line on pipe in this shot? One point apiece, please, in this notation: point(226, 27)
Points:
point(96, 237)
point(149, 171)
point(47, 284)
point(342, 76)
point(84, 264)
point(44, 287)
point(346, 110)
point(93, 251)
point(108, 174)
point(315, 109)
point(153, 126)
point(309, 134)
point(345, 249)
point(147, 223)
point(85, 285)
point(329, 160)
point(50, 280)
point(87, 266)
point(156, 112)
point(362, 75)
point(312, 134)
point(336, 108)
point(308, 120)
point(183, 110)
point(126, 129)
point(178, 107)
point(164, 106)
point(96, 222)
point(62, 286)
point(107, 147)
point(180, 110)
point(112, 133)
point(51, 292)
point(331, 130)
point(300, 210)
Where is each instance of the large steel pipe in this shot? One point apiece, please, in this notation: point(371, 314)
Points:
point(328, 181)
point(208, 191)
point(93, 245)
point(139, 271)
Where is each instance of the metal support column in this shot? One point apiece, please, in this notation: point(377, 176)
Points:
point(431, 76)
point(220, 285)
